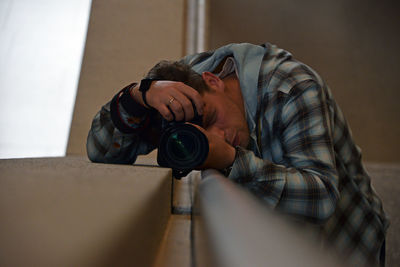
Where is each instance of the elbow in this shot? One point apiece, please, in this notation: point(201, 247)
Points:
point(327, 198)
point(92, 152)
point(330, 200)
point(99, 153)
point(323, 204)
point(327, 206)
point(94, 158)
point(327, 211)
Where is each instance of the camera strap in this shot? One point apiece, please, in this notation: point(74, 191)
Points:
point(145, 86)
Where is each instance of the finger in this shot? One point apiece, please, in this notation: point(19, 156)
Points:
point(184, 103)
point(165, 112)
point(193, 95)
point(176, 107)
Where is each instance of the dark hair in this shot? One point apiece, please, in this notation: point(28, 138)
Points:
point(179, 72)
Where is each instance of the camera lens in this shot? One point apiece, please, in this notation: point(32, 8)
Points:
point(182, 147)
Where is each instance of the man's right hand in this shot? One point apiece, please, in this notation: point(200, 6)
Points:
point(171, 99)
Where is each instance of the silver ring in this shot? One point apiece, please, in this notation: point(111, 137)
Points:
point(172, 99)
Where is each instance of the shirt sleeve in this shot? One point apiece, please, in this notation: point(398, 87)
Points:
point(120, 132)
point(307, 183)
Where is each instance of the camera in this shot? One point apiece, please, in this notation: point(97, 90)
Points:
point(182, 146)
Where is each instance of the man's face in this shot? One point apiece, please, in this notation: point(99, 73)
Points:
point(223, 117)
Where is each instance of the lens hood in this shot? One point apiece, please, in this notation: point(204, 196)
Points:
point(182, 147)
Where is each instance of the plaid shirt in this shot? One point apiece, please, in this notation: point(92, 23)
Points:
point(301, 159)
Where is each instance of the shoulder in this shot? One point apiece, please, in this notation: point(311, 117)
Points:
point(289, 78)
point(281, 72)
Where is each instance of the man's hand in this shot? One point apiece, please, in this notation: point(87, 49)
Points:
point(172, 100)
point(221, 154)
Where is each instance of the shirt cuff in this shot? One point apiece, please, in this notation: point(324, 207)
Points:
point(236, 170)
point(127, 115)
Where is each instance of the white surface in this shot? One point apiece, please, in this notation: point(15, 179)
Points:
point(41, 47)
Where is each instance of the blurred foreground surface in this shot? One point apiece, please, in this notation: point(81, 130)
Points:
point(71, 212)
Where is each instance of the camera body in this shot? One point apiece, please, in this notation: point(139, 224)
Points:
point(182, 146)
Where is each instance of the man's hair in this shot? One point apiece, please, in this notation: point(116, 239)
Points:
point(179, 72)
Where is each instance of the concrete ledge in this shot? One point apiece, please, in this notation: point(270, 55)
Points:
point(183, 189)
point(175, 249)
point(70, 212)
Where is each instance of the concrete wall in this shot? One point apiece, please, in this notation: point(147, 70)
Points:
point(71, 212)
point(125, 38)
point(353, 44)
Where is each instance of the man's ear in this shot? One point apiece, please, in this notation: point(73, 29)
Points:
point(213, 81)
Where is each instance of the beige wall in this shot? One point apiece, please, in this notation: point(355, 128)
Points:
point(353, 44)
point(125, 38)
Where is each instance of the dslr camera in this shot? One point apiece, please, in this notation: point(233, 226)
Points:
point(182, 146)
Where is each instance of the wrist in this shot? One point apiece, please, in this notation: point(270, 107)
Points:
point(233, 155)
point(129, 104)
point(137, 95)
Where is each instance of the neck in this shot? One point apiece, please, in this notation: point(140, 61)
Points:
point(232, 90)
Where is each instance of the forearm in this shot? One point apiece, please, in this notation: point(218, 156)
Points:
point(117, 134)
point(306, 192)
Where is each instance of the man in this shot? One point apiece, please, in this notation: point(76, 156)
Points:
point(272, 126)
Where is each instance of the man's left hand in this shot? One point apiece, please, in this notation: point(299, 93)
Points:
point(221, 154)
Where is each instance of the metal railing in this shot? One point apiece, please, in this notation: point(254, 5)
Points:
point(231, 227)
point(196, 26)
